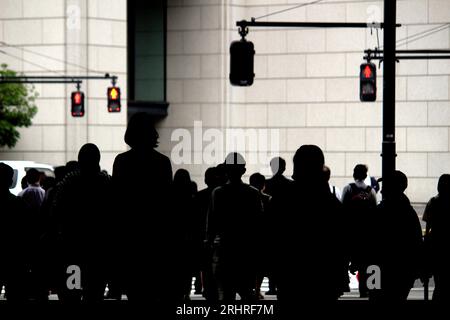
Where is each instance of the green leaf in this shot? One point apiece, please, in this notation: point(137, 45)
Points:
point(17, 108)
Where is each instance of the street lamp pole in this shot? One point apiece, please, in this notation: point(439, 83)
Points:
point(388, 148)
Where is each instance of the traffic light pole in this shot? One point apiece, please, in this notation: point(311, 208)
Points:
point(421, 54)
point(388, 147)
point(55, 79)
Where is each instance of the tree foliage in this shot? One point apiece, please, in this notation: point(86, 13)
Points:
point(17, 108)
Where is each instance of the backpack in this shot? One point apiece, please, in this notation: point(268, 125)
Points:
point(359, 199)
point(359, 194)
point(360, 208)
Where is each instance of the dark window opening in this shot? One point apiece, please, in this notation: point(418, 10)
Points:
point(147, 57)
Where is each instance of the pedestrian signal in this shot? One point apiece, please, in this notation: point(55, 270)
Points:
point(77, 104)
point(113, 99)
point(368, 82)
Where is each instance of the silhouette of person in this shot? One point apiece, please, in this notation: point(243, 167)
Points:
point(235, 208)
point(359, 174)
point(334, 190)
point(397, 247)
point(360, 201)
point(15, 221)
point(202, 201)
point(437, 238)
point(82, 209)
point(278, 182)
point(145, 236)
point(258, 181)
point(310, 225)
point(47, 265)
point(48, 182)
point(183, 197)
point(33, 194)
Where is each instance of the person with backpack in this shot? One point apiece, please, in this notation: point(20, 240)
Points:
point(360, 201)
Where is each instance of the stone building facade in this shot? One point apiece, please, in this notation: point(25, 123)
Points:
point(306, 88)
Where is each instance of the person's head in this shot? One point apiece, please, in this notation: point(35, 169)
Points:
point(211, 177)
point(258, 181)
point(33, 176)
point(221, 174)
point(24, 183)
point(49, 182)
point(141, 132)
point(326, 173)
point(6, 177)
point(308, 163)
point(360, 172)
point(234, 166)
point(182, 177)
point(60, 173)
point(395, 185)
point(444, 185)
point(72, 166)
point(278, 165)
point(89, 158)
point(182, 181)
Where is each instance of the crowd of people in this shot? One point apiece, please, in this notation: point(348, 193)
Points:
point(147, 233)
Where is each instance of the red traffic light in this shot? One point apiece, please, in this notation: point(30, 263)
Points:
point(77, 104)
point(113, 99)
point(368, 82)
point(367, 72)
point(77, 98)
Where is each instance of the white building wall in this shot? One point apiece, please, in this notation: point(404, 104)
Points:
point(91, 37)
point(307, 86)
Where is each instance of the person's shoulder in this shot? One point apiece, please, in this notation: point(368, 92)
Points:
point(251, 189)
point(158, 155)
point(104, 176)
point(433, 201)
point(15, 201)
point(70, 179)
point(265, 196)
point(348, 186)
point(123, 156)
point(11, 197)
point(203, 193)
point(219, 190)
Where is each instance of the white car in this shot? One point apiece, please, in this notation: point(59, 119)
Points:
point(20, 170)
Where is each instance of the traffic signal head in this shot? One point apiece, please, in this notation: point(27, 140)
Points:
point(368, 82)
point(113, 99)
point(77, 104)
point(242, 54)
